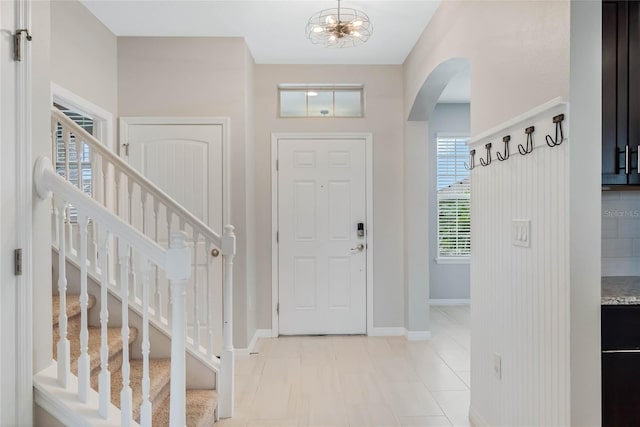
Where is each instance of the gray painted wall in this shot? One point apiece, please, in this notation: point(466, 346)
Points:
point(447, 281)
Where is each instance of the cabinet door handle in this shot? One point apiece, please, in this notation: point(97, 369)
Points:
point(638, 153)
point(626, 159)
point(620, 351)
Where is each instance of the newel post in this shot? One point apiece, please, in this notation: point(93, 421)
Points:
point(227, 360)
point(178, 266)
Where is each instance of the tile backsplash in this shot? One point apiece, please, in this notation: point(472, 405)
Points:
point(621, 233)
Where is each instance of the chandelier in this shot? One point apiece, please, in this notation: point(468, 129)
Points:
point(339, 27)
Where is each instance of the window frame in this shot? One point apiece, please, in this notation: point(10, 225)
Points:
point(102, 130)
point(440, 257)
point(294, 87)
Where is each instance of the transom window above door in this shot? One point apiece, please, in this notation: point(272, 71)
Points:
point(320, 100)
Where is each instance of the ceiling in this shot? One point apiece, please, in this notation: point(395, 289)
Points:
point(273, 30)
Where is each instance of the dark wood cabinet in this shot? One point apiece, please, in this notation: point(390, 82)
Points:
point(620, 92)
point(620, 365)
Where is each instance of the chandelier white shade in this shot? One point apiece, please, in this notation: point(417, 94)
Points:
point(339, 27)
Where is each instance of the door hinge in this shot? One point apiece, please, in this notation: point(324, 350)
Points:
point(277, 165)
point(278, 309)
point(277, 237)
point(17, 262)
point(17, 45)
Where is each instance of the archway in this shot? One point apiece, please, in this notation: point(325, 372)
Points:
point(420, 189)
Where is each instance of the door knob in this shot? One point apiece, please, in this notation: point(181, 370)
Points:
point(358, 248)
point(215, 252)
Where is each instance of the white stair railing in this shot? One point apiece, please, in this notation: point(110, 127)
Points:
point(175, 261)
point(123, 190)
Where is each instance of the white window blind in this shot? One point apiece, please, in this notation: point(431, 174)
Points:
point(453, 198)
point(87, 123)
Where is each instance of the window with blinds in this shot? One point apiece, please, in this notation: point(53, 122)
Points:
point(453, 198)
point(73, 174)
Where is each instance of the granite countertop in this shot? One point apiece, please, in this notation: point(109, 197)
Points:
point(621, 290)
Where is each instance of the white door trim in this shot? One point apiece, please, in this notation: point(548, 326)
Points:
point(368, 138)
point(24, 206)
point(225, 122)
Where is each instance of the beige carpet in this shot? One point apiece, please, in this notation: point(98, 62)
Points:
point(201, 404)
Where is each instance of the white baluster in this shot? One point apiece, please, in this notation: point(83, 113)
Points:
point(67, 174)
point(196, 293)
point(106, 183)
point(143, 203)
point(63, 348)
point(126, 401)
point(177, 267)
point(208, 302)
point(84, 362)
point(104, 379)
point(94, 247)
point(157, 297)
point(145, 408)
point(54, 139)
point(97, 175)
point(66, 137)
point(79, 145)
point(169, 219)
point(227, 360)
point(132, 278)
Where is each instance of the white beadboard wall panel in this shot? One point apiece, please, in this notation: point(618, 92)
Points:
point(528, 286)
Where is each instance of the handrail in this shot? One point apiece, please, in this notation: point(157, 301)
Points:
point(140, 179)
point(47, 181)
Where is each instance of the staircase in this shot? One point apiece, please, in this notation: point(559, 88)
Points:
point(126, 247)
point(201, 404)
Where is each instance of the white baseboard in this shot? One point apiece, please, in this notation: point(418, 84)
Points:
point(451, 301)
point(418, 335)
point(476, 419)
point(387, 332)
point(259, 333)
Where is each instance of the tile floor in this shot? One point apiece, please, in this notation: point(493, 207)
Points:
point(358, 381)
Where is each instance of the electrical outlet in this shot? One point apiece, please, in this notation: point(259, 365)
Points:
point(497, 365)
point(521, 232)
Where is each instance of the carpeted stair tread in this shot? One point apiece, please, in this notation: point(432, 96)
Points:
point(114, 342)
point(201, 404)
point(159, 374)
point(201, 407)
point(73, 306)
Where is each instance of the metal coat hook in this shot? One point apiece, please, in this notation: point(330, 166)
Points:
point(17, 50)
point(555, 142)
point(487, 162)
point(529, 148)
point(504, 157)
point(472, 160)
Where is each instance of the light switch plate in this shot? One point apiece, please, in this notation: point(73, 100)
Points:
point(521, 232)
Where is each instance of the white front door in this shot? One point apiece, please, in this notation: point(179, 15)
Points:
point(322, 257)
point(186, 161)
